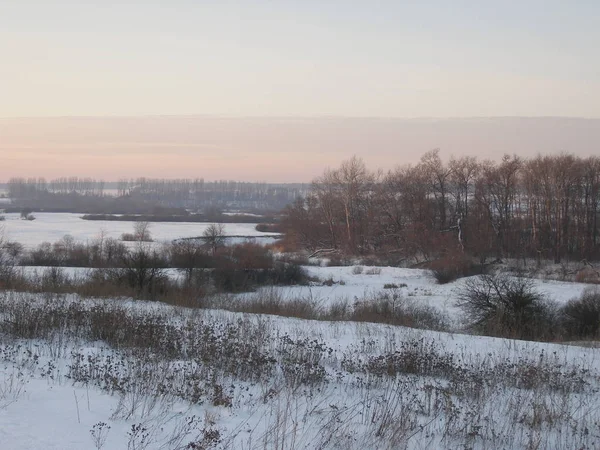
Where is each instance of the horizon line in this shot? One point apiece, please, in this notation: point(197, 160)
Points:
point(316, 116)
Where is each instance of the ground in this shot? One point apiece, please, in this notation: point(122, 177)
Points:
point(120, 374)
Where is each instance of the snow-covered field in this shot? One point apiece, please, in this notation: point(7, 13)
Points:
point(416, 285)
point(119, 374)
point(342, 284)
point(51, 227)
point(328, 385)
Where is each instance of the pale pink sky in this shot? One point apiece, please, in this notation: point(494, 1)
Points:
point(267, 149)
point(288, 58)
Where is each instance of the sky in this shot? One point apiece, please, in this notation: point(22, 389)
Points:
point(284, 59)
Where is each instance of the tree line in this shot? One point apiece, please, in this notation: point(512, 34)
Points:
point(31, 188)
point(542, 207)
point(176, 193)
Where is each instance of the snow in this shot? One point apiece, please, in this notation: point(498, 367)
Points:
point(44, 411)
point(54, 413)
point(416, 285)
point(51, 227)
point(420, 287)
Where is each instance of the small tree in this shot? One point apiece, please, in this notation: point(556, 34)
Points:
point(143, 268)
point(141, 231)
point(187, 255)
point(113, 252)
point(214, 237)
point(506, 306)
point(26, 214)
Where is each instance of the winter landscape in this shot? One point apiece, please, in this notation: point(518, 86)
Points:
point(327, 329)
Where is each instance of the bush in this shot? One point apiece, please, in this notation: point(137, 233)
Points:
point(452, 267)
point(43, 255)
point(26, 213)
point(337, 260)
point(588, 275)
point(289, 274)
point(507, 306)
point(394, 285)
point(393, 308)
point(141, 233)
point(357, 270)
point(250, 256)
point(269, 228)
point(582, 316)
point(53, 279)
point(416, 357)
point(231, 279)
point(293, 258)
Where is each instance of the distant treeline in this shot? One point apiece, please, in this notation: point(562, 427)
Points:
point(212, 216)
point(137, 195)
point(542, 207)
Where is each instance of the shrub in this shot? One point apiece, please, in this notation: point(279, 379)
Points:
point(414, 357)
point(453, 267)
point(357, 270)
point(26, 213)
point(289, 274)
point(214, 237)
point(69, 253)
point(141, 233)
point(588, 275)
point(336, 260)
point(250, 256)
point(269, 228)
point(373, 271)
point(393, 308)
point(294, 258)
point(582, 316)
point(54, 278)
point(507, 306)
point(232, 279)
point(329, 282)
point(14, 249)
point(44, 255)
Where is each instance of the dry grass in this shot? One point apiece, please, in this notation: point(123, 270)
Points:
point(409, 394)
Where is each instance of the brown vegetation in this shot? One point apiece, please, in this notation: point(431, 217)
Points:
point(546, 207)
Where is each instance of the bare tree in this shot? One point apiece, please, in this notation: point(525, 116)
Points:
point(354, 182)
point(324, 191)
point(143, 267)
point(439, 176)
point(141, 231)
point(187, 255)
point(214, 237)
point(463, 172)
point(547, 206)
point(7, 261)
